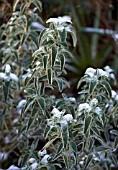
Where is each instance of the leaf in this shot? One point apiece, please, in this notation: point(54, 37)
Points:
point(47, 130)
point(23, 8)
point(65, 158)
point(116, 142)
point(47, 145)
point(107, 87)
point(58, 153)
point(62, 59)
point(114, 159)
point(38, 4)
point(30, 122)
point(60, 83)
point(42, 103)
point(33, 35)
point(71, 30)
point(92, 86)
point(54, 54)
point(64, 133)
point(63, 35)
point(115, 132)
point(88, 161)
point(72, 111)
point(45, 60)
point(49, 76)
point(87, 123)
point(41, 34)
point(73, 146)
point(51, 167)
point(23, 39)
point(101, 148)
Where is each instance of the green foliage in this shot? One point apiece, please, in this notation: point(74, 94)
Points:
point(47, 132)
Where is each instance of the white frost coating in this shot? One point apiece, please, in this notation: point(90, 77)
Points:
point(90, 71)
point(68, 117)
point(3, 156)
point(38, 62)
point(98, 110)
point(113, 94)
point(21, 104)
point(94, 102)
point(13, 77)
point(56, 113)
point(64, 123)
point(13, 167)
point(108, 69)
point(2, 75)
point(44, 160)
point(7, 68)
point(72, 99)
point(42, 153)
point(59, 19)
point(85, 106)
point(102, 73)
point(32, 160)
point(34, 166)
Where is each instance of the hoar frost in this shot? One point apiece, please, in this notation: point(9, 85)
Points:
point(44, 160)
point(84, 106)
point(42, 153)
point(59, 20)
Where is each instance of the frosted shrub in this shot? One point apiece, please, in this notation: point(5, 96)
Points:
point(76, 134)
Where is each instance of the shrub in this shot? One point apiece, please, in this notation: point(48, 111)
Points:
point(48, 132)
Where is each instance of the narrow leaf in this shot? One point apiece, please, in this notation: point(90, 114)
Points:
point(87, 123)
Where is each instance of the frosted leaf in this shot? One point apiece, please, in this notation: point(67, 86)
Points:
point(21, 104)
point(98, 110)
point(59, 20)
point(90, 71)
point(94, 102)
point(84, 106)
point(3, 156)
point(72, 99)
point(42, 153)
point(7, 69)
point(32, 160)
point(56, 113)
point(102, 73)
point(44, 160)
point(13, 77)
point(64, 123)
point(113, 94)
point(2, 75)
point(108, 69)
point(38, 62)
point(34, 166)
point(68, 117)
point(13, 167)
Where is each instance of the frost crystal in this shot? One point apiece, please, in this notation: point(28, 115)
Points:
point(44, 152)
point(44, 160)
point(68, 117)
point(85, 106)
